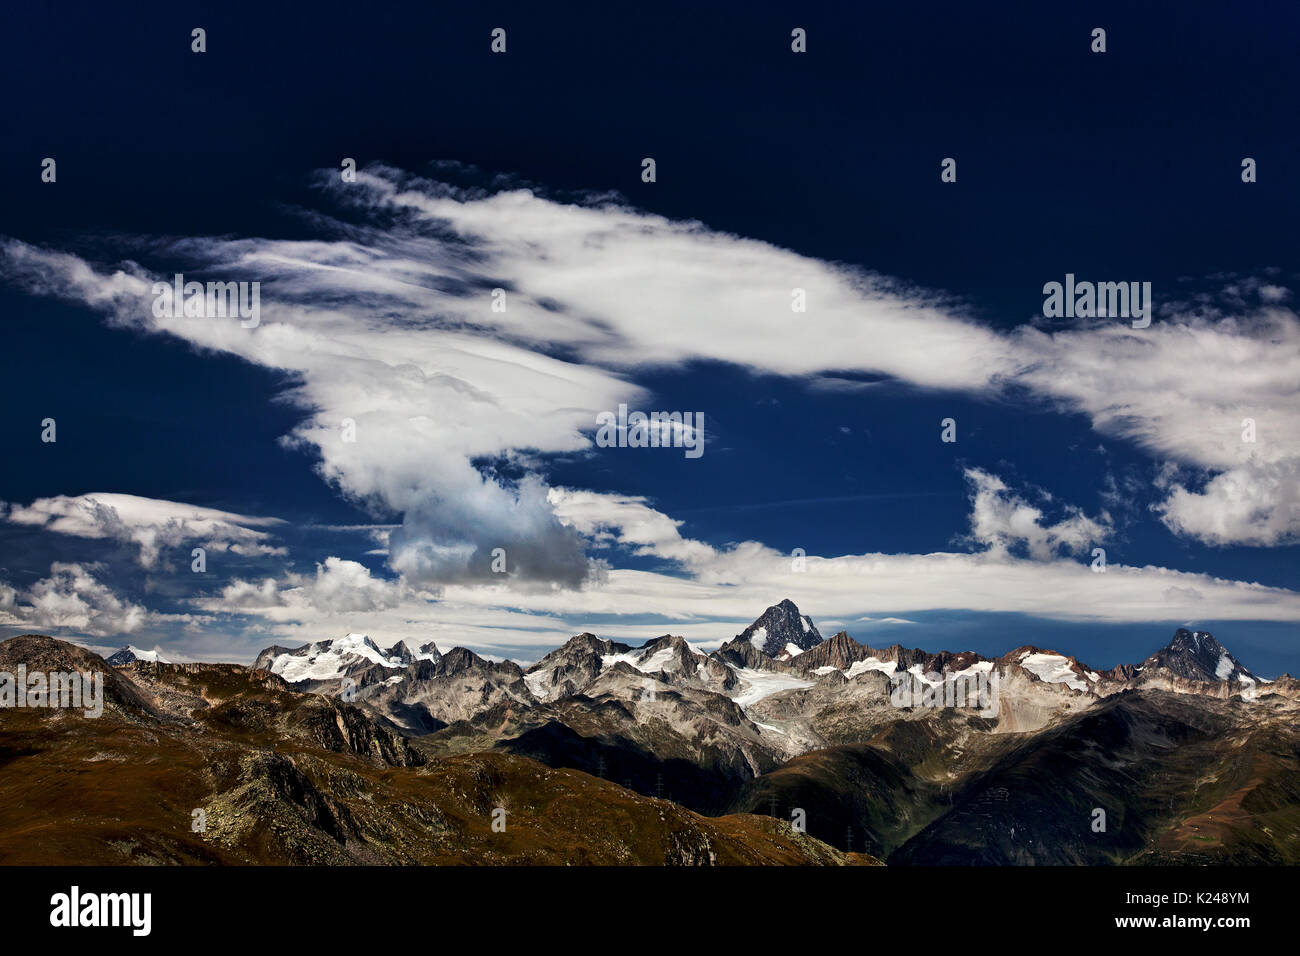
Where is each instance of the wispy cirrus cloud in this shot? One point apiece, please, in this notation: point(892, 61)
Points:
point(391, 325)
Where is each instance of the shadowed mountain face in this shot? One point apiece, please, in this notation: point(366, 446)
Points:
point(217, 763)
point(1197, 656)
point(781, 632)
point(1144, 777)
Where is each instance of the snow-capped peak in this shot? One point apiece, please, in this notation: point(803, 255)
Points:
point(131, 653)
point(331, 658)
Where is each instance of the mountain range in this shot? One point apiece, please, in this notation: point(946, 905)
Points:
point(1032, 757)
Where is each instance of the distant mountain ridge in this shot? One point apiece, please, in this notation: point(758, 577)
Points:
point(779, 672)
point(130, 654)
point(781, 641)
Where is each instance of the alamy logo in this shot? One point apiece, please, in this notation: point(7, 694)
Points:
point(970, 688)
point(656, 430)
point(214, 300)
point(74, 909)
point(1090, 300)
point(69, 690)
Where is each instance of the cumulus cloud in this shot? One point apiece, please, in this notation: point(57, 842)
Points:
point(149, 523)
point(1257, 504)
point(241, 595)
point(338, 587)
point(73, 599)
point(1003, 521)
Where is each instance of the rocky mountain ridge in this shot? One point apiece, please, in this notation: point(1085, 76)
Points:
point(782, 652)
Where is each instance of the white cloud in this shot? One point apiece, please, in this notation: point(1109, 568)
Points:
point(723, 590)
point(1002, 520)
point(149, 523)
point(338, 587)
point(247, 595)
point(71, 598)
point(393, 329)
point(1183, 389)
point(629, 522)
point(1258, 504)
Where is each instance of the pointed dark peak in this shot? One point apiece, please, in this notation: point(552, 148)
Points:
point(461, 659)
point(843, 639)
point(408, 655)
point(781, 632)
point(1196, 655)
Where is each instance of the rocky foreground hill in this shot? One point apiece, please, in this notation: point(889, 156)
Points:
point(219, 763)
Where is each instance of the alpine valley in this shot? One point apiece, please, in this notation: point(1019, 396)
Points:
point(779, 747)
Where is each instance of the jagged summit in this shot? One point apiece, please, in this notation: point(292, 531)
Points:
point(1196, 655)
point(424, 652)
point(781, 632)
point(782, 651)
point(585, 657)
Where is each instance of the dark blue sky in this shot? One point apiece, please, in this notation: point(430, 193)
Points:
point(1122, 165)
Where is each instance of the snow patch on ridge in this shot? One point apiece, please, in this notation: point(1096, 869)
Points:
point(871, 664)
point(327, 660)
point(1225, 668)
point(760, 684)
point(1052, 669)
